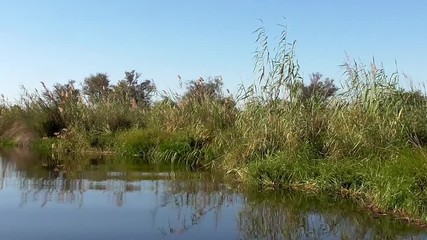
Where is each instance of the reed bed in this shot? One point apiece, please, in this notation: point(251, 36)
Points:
point(364, 140)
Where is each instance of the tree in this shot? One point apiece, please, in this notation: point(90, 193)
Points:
point(138, 93)
point(318, 90)
point(200, 89)
point(96, 87)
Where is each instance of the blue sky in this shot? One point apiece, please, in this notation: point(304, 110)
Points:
point(57, 40)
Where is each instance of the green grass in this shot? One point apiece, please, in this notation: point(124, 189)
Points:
point(7, 143)
point(159, 146)
point(396, 186)
point(45, 145)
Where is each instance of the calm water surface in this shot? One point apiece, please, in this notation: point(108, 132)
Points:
point(79, 198)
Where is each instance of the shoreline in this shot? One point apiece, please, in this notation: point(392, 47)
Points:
point(298, 176)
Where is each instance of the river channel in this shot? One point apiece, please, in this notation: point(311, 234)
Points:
point(42, 197)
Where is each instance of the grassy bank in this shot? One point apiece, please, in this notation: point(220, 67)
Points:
point(363, 140)
point(394, 186)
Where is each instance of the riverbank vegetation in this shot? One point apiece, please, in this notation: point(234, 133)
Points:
point(363, 139)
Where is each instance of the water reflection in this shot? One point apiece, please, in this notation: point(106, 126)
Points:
point(107, 198)
point(293, 216)
point(174, 201)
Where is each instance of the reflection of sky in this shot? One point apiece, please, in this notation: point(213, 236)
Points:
point(140, 217)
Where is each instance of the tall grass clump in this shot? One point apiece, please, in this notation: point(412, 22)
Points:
point(279, 113)
point(374, 115)
point(316, 137)
point(84, 116)
point(13, 130)
point(371, 115)
point(203, 105)
point(203, 112)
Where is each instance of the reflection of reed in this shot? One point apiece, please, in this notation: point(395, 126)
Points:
point(297, 218)
point(72, 191)
point(186, 200)
point(262, 222)
point(188, 196)
point(3, 168)
point(193, 201)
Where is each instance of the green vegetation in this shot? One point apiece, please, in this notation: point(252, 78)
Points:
point(364, 141)
point(395, 186)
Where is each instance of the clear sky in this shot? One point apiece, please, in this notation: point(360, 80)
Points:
point(58, 40)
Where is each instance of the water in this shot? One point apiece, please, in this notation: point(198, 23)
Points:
point(79, 198)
